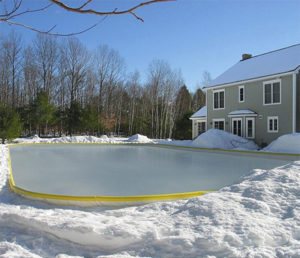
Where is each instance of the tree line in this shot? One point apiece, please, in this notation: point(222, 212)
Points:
point(57, 87)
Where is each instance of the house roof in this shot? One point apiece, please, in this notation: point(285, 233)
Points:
point(271, 63)
point(241, 112)
point(200, 113)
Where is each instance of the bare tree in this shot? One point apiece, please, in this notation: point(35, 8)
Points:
point(46, 51)
point(206, 79)
point(163, 84)
point(12, 10)
point(75, 63)
point(110, 69)
point(31, 75)
point(11, 58)
point(133, 89)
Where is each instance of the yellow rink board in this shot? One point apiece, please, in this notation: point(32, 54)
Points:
point(117, 200)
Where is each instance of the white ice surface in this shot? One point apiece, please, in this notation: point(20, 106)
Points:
point(257, 217)
point(127, 170)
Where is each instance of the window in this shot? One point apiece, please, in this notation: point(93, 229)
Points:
point(201, 127)
point(219, 99)
point(241, 94)
point(273, 124)
point(237, 126)
point(250, 129)
point(272, 92)
point(219, 124)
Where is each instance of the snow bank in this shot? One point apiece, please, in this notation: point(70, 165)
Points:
point(257, 217)
point(138, 138)
point(289, 143)
point(220, 139)
point(68, 139)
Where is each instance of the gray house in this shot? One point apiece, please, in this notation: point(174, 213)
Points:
point(258, 98)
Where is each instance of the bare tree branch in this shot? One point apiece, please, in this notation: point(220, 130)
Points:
point(17, 5)
point(85, 4)
point(29, 11)
point(115, 12)
point(48, 32)
point(7, 15)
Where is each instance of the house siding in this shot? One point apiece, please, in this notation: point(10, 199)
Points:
point(253, 100)
point(195, 129)
point(298, 103)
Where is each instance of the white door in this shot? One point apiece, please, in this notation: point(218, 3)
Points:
point(250, 127)
point(236, 127)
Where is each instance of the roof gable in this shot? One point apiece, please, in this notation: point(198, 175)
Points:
point(271, 63)
point(202, 112)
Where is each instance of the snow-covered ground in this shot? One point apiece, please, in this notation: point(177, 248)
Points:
point(257, 217)
point(286, 143)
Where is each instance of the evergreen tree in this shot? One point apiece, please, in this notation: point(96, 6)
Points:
point(199, 100)
point(183, 127)
point(183, 101)
point(73, 118)
point(43, 112)
point(10, 126)
point(89, 119)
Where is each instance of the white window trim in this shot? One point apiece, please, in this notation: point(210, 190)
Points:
point(253, 127)
point(241, 87)
point(268, 122)
point(271, 82)
point(213, 103)
point(218, 120)
point(237, 119)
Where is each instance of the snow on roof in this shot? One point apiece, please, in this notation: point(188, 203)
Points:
point(271, 63)
point(241, 112)
point(200, 113)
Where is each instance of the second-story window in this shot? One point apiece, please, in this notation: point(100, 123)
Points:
point(219, 99)
point(241, 94)
point(272, 92)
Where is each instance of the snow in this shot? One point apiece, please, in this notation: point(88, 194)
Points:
point(241, 112)
point(259, 216)
point(138, 138)
point(214, 138)
point(72, 139)
point(289, 143)
point(202, 112)
point(271, 63)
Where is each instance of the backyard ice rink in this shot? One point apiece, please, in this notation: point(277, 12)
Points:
point(258, 216)
point(129, 170)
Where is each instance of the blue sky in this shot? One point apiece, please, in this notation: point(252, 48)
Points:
point(193, 35)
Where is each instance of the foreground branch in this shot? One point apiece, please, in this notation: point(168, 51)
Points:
point(9, 15)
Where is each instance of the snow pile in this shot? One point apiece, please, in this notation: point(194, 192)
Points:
point(104, 137)
point(138, 138)
point(257, 217)
point(288, 143)
point(69, 139)
point(220, 139)
point(31, 139)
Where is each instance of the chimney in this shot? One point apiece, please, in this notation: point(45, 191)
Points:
point(246, 56)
